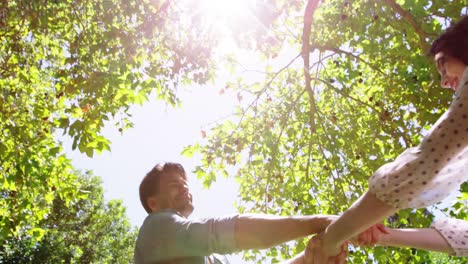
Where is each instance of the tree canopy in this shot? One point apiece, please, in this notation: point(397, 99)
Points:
point(67, 67)
point(89, 230)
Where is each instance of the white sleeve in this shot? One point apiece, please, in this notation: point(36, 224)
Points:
point(428, 173)
point(455, 232)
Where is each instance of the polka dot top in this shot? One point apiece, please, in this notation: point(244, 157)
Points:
point(426, 174)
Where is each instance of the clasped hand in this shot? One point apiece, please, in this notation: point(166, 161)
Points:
point(321, 251)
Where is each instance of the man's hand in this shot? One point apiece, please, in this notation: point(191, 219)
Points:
point(315, 252)
point(371, 236)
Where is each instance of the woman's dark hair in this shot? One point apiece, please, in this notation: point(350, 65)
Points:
point(454, 41)
point(149, 186)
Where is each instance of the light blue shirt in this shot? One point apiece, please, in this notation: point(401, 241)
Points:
point(167, 237)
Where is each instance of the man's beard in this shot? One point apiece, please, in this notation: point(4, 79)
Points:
point(186, 208)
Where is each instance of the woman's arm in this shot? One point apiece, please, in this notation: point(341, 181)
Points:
point(365, 212)
point(420, 238)
point(298, 259)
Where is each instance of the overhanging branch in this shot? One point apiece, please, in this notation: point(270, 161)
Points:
point(308, 17)
point(408, 17)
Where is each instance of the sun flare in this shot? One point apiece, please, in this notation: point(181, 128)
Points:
point(225, 8)
point(219, 11)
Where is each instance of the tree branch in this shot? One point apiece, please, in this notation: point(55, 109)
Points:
point(308, 17)
point(408, 17)
point(267, 85)
point(358, 57)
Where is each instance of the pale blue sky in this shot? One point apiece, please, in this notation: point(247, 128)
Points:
point(159, 134)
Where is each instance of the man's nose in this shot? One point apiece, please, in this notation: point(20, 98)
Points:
point(184, 188)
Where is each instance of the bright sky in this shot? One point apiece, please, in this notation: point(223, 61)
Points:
point(160, 133)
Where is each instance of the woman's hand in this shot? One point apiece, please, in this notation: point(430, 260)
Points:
point(317, 252)
point(371, 236)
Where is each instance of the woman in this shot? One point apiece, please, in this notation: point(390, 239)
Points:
point(420, 176)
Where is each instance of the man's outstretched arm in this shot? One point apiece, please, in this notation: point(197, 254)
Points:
point(254, 231)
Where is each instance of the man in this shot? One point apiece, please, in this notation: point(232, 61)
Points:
point(168, 236)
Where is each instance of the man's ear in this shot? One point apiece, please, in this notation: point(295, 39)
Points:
point(153, 203)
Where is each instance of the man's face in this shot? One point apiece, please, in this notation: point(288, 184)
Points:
point(174, 193)
point(450, 69)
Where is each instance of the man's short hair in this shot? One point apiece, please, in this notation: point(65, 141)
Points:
point(454, 41)
point(149, 186)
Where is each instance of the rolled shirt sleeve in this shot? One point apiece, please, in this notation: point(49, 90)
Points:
point(167, 235)
point(455, 232)
point(428, 173)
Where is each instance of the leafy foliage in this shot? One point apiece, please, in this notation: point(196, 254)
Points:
point(373, 92)
point(89, 230)
point(69, 66)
